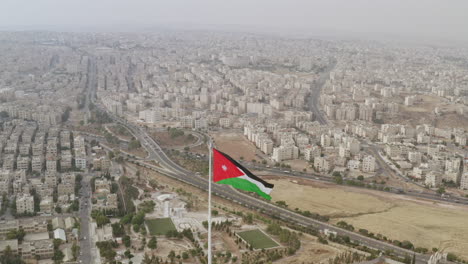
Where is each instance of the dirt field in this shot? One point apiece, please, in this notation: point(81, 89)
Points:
point(424, 223)
point(323, 200)
point(235, 145)
point(166, 140)
point(298, 164)
point(422, 113)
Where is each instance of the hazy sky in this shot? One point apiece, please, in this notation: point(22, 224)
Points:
point(444, 20)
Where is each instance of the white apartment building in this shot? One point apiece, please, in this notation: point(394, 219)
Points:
point(51, 164)
point(37, 163)
point(312, 152)
point(24, 148)
point(453, 164)
point(80, 161)
point(267, 146)
point(343, 151)
point(325, 140)
point(464, 180)
point(368, 164)
point(461, 139)
point(151, 116)
point(22, 163)
point(25, 204)
point(200, 123)
point(285, 153)
point(366, 113)
point(433, 179)
point(225, 122)
point(322, 164)
point(186, 122)
point(78, 142)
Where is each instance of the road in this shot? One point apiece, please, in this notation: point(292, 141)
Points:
point(313, 99)
point(86, 247)
point(85, 211)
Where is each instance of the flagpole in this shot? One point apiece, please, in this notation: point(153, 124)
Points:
point(210, 176)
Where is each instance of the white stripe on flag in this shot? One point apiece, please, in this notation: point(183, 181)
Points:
point(259, 184)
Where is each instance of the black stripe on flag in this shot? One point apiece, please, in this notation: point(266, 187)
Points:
point(247, 172)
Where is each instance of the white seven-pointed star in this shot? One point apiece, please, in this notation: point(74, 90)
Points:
point(224, 167)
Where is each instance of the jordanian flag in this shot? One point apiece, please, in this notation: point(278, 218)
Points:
point(227, 171)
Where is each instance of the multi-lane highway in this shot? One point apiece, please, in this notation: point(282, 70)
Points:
point(313, 99)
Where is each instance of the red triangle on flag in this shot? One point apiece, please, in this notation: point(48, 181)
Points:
point(223, 168)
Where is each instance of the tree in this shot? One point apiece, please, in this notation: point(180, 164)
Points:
point(185, 255)
point(127, 219)
point(58, 209)
point(101, 219)
point(58, 256)
point(153, 244)
point(127, 241)
point(118, 229)
point(336, 174)
point(16, 234)
point(128, 254)
point(452, 257)
point(171, 255)
point(282, 203)
point(338, 179)
point(360, 177)
point(106, 250)
point(75, 250)
point(441, 190)
point(134, 144)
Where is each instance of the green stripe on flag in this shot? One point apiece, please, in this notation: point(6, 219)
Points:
point(245, 185)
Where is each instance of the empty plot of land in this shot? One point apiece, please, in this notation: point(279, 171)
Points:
point(235, 145)
point(424, 223)
point(173, 138)
point(160, 226)
point(257, 239)
point(333, 202)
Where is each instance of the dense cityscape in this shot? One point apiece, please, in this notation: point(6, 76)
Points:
point(104, 148)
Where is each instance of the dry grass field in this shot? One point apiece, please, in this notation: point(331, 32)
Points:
point(165, 139)
point(323, 200)
point(424, 223)
point(235, 145)
point(312, 251)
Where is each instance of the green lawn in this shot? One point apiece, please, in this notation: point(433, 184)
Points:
point(257, 239)
point(160, 226)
